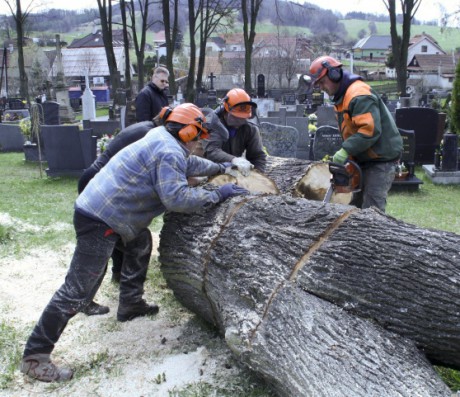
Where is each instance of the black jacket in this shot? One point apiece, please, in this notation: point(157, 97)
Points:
point(127, 136)
point(149, 102)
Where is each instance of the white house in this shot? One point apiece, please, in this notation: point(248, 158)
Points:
point(423, 44)
point(432, 70)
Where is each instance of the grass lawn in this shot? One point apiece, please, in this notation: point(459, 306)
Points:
point(42, 201)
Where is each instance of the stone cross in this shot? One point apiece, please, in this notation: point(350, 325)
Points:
point(211, 77)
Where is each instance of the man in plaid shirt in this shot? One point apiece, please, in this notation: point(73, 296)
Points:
point(140, 182)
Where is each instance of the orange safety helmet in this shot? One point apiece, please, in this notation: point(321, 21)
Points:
point(190, 116)
point(238, 103)
point(326, 65)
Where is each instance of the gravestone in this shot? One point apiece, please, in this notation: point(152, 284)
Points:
point(424, 122)
point(276, 94)
point(449, 152)
point(102, 127)
point(51, 113)
point(279, 140)
point(264, 106)
point(201, 100)
point(326, 142)
point(392, 106)
point(326, 116)
point(317, 99)
point(289, 99)
point(69, 151)
point(281, 113)
point(303, 145)
point(260, 85)
point(11, 138)
point(409, 182)
point(212, 98)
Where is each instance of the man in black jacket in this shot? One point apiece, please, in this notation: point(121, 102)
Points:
point(153, 96)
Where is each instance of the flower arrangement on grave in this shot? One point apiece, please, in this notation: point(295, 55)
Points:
point(401, 170)
point(25, 125)
point(103, 142)
point(10, 116)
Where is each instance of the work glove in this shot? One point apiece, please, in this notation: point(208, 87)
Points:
point(243, 165)
point(230, 190)
point(228, 169)
point(340, 156)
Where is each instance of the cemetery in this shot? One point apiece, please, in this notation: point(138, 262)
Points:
point(309, 293)
point(285, 126)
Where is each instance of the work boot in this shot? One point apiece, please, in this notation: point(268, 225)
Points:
point(40, 367)
point(127, 312)
point(116, 277)
point(95, 309)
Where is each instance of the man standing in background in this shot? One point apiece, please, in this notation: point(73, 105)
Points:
point(152, 98)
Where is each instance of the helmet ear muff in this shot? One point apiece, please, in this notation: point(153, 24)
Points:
point(225, 103)
point(334, 73)
point(165, 112)
point(189, 133)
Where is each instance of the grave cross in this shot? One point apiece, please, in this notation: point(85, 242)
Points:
point(211, 77)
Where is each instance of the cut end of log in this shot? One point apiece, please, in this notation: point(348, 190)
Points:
point(314, 185)
point(256, 182)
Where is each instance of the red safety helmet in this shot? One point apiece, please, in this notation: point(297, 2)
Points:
point(238, 103)
point(325, 65)
point(190, 116)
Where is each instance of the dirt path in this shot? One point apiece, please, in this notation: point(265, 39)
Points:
point(165, 355)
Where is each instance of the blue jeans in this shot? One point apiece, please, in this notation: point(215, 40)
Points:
point(95, 243)
point(377, 180)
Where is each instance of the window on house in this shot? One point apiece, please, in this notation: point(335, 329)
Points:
point(424, 48)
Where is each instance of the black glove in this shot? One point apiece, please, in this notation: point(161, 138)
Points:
point(230, 190)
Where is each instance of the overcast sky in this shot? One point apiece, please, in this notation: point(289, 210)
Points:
point(429, 9)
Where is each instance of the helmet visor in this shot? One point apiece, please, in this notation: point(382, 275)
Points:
point(243, 110)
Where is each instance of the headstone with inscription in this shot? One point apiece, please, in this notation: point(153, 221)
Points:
point(279, 140)
point(409, 182)
point(424, 122)
point(326, 142)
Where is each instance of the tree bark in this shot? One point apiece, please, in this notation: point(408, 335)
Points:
point(321, 300)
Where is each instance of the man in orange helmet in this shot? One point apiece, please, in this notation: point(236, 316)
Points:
point(242, 138)
point(370, 136)
point(140, 182)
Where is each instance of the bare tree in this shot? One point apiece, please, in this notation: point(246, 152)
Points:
point(193, 13)
point(139, 43)
point(250, 10)
point(214, 14)
point(20, 18)
point(126, 47)
point(105, 14)
point(400, 43)
point(171, 35)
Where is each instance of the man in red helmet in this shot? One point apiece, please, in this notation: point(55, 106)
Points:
point(140, 182)
point(243, 144)
point(370, 136)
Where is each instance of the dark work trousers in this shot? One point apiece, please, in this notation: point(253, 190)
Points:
point(377, 180)
point(95, 243)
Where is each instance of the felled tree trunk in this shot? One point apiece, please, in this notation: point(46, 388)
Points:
point(321, 300)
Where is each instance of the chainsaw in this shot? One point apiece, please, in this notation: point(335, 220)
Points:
point(345, 178)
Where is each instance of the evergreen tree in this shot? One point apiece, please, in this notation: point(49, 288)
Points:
point(454, 113)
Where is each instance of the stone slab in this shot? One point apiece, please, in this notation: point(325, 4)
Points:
point(441, 177)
